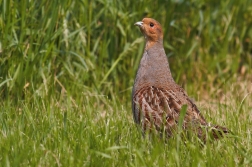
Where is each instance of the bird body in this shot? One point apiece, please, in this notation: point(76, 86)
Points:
point(156, 99)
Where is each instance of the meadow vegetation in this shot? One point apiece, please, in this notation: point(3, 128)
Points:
point(67, 69)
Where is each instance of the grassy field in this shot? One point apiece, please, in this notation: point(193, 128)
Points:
point(67, 69)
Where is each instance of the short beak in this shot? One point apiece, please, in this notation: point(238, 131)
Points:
point(139, 24)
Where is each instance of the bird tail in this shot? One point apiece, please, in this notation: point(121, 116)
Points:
point(212, 132)
point(218, 132)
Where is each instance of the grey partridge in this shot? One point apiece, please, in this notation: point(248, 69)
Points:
point(156, 99)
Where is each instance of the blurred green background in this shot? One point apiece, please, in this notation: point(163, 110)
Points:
point(67, 68)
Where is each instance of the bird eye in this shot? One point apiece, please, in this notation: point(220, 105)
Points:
point(151, 24)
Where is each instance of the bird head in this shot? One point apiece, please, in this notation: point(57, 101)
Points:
point(151, 29)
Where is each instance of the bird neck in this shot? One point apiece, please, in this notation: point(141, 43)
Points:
point(154, 68)
point(151, 42)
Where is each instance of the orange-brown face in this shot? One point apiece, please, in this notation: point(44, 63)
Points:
point(151, 29)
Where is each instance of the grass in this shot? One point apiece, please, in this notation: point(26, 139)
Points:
point(67, 69)
point(101, 132)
